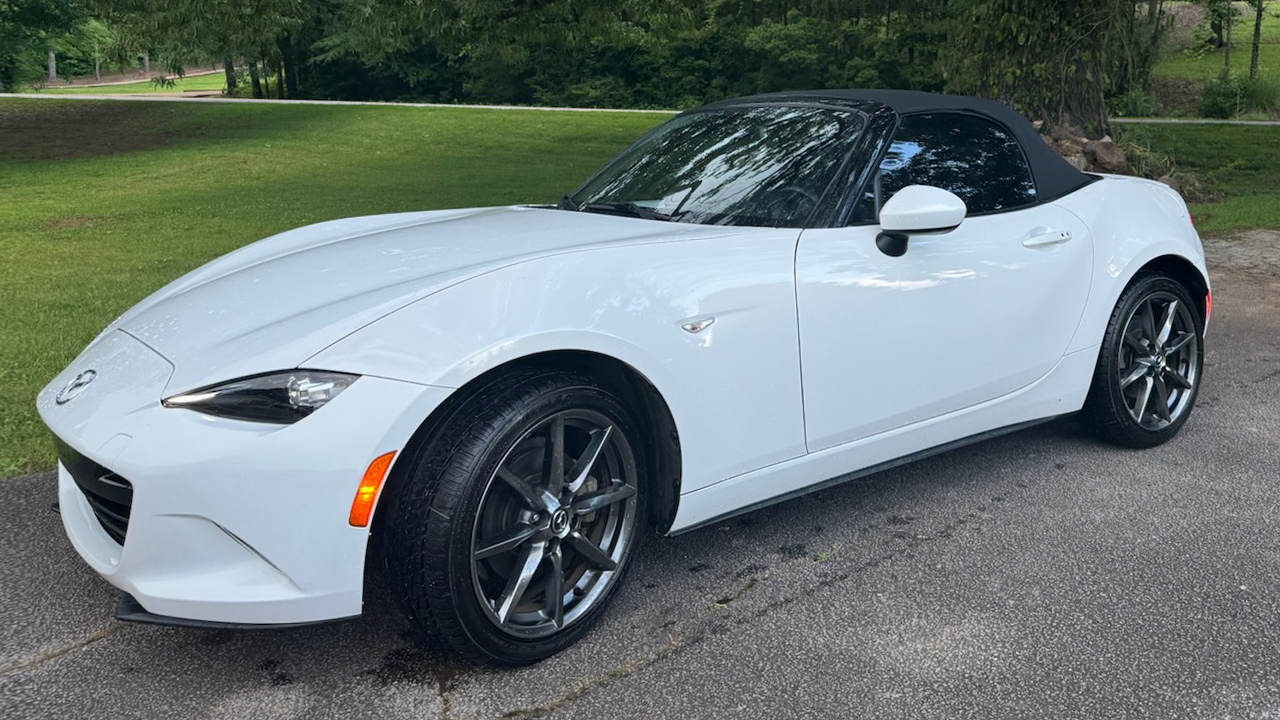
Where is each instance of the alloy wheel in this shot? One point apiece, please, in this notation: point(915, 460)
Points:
point(1159, 361)
point(554, 524)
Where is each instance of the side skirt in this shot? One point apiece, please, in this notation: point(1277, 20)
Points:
point(888, 465)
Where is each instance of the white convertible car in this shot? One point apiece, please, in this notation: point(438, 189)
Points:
point(758, 298)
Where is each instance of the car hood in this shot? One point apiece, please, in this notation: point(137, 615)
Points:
point(273, 304)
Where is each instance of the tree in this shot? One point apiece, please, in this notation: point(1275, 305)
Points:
point(1258, 7)
point(27, 27)
point(1215, 13)
point(1054, 61)
point(85, 48)
point(1228, 20)
point(211, 30)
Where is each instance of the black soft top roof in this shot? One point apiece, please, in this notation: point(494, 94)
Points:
point(1053, 175)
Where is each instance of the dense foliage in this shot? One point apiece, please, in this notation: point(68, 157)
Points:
point(1057, 61)
point(27, 29)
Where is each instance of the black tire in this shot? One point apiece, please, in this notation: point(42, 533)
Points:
point(458, 508)
point(1144, 387)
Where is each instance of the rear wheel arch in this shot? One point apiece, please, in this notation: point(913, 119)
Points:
point(1168, 360)
point(1181, 270)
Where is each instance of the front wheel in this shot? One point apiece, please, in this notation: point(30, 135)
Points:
point(516, 530)
point(1149, 366)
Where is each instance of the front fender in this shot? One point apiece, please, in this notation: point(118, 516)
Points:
point(733, 388)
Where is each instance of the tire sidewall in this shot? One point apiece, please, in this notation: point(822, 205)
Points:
point(470, 469)
point(1141, 289)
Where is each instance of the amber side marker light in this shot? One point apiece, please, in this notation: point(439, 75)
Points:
point(367, 493)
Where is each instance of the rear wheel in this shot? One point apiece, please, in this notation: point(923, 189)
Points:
point(513, 534)
point(1149, 367)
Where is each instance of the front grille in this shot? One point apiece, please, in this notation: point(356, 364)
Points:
point(110, 495)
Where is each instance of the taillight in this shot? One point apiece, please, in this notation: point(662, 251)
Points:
point(1208, 305)
point(1191, 220)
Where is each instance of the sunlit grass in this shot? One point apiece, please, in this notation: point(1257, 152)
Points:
point(213, 81)
point(103, 202)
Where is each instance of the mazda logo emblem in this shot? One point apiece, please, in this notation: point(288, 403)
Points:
point(75, 387)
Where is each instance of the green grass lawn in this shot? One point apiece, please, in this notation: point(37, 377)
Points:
point(214, 81)
point(103, 202)
point(1199, 62)
point(1239, 164)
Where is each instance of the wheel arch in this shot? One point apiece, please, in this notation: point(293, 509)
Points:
point(662, 439)
point(1185, 272)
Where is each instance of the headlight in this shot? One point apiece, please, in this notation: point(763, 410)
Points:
point(283, 397)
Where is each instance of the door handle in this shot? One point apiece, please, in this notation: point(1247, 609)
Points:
point(1045, 239)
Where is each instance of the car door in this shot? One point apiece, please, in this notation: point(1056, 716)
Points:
point(962, 318)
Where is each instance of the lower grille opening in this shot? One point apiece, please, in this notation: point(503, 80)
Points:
point(109, 495)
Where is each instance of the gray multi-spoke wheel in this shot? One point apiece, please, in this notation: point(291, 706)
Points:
point(1150, 365)
point(515, 525)
point(1159, 360)
point(555, 521)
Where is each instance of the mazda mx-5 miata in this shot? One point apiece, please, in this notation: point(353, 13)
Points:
point(758, 298)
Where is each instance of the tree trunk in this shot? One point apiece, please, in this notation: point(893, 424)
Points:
point(1226, 55)
point(97, 69)
point(1257, 40)
point(290, 65)
point(1051, 69)
point(280, 82)
point(229, 70)
point(146, 62)
point(255, 80)
point(53, 66)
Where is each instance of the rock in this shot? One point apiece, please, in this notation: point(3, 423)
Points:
point(1105, 156)
point(1172, 182)
point(1067, 132)
point(1078, 162)
point(1070, 146)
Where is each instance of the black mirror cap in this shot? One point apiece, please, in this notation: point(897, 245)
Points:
point(893, 244)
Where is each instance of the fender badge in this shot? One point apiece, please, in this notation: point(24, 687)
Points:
point(75, 387)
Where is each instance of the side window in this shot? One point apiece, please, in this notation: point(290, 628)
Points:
point(970, 156)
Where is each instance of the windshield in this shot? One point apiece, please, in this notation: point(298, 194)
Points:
point(763, 166)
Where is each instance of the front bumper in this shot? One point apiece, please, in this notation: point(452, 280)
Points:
point(231, 522)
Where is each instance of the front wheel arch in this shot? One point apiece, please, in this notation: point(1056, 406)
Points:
point(662, 447)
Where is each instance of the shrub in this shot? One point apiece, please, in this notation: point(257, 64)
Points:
point(1135, 103)
point(1263, 94)
point(1151, 163)
point(1230, 95)
point(1224, 96)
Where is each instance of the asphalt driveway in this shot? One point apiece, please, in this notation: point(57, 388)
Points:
point(1038, 575)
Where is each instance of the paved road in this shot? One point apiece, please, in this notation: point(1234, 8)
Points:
point(203, 96)
point(180, 97)
point(1038, 575)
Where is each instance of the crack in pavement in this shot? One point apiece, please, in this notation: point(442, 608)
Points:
point(59, 652)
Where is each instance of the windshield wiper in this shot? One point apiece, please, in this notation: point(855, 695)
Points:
point(627, 208)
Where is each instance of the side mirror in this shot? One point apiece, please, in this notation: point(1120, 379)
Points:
point(914, 210)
